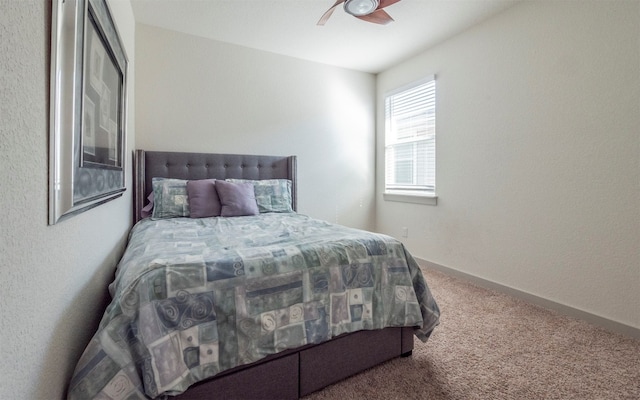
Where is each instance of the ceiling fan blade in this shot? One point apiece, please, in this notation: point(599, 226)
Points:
point(328, 13)
point(386, 3)
point(379, 16)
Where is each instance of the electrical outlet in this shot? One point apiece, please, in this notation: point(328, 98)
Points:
point(405, 232)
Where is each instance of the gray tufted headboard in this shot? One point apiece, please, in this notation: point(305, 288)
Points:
point(150, 164)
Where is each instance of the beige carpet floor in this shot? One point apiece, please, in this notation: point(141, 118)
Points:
point(493, 346)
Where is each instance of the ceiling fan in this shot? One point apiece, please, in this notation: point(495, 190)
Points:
point(366, 10)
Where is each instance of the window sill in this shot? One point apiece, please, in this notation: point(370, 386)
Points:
point(428, 199)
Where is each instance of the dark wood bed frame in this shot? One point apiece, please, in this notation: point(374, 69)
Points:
point(293, 373)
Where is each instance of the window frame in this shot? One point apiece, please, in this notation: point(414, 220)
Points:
point(412, 193)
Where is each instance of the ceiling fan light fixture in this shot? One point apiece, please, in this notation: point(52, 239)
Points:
point(359, 8)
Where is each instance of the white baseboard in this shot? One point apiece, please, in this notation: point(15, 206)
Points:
point(605, 323)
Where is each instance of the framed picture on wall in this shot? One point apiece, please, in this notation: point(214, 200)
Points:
point(88, 108)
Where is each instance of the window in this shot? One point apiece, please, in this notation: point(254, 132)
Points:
point(410, 139)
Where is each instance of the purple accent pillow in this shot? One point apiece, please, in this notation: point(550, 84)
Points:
point(203, 198)
point(237, 199)
point(147, 210)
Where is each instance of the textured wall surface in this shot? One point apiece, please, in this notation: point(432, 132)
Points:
point(196, 94)
point(52, 278)
point(538, 156)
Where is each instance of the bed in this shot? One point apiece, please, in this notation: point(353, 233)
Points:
point(271, 304)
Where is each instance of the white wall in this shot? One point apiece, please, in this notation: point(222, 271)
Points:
point(54, 279)
point(200, 95)
point(538, 155)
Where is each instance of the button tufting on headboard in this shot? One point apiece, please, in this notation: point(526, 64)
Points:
point(150, 164)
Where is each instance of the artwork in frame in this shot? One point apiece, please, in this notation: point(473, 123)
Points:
point(87, 108)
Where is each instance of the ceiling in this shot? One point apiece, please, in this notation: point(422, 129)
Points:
point(288, 27)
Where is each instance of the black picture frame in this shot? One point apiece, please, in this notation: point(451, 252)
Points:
point(87, 108)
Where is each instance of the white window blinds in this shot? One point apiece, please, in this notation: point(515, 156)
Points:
point(410, 138)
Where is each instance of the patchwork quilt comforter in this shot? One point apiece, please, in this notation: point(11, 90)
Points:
point(194, 297)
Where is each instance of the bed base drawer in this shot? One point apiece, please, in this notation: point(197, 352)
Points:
point(333, 361)
point(298, 372)
point(276, 379)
